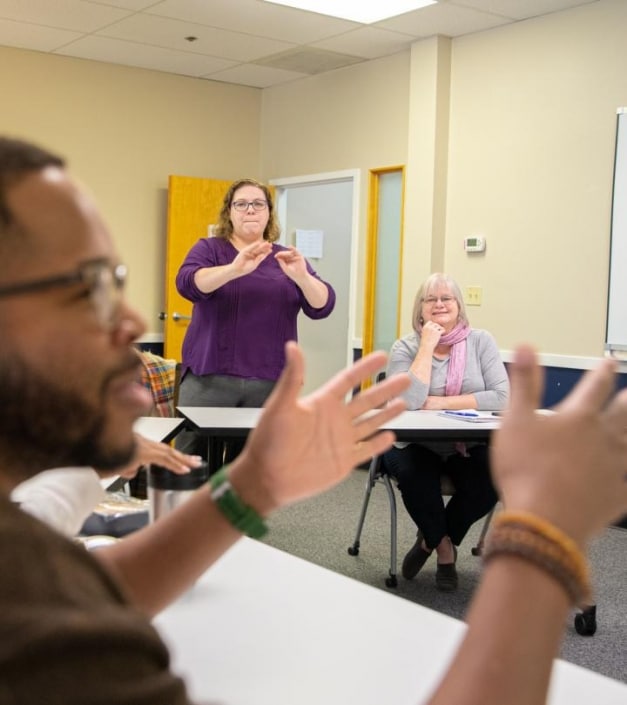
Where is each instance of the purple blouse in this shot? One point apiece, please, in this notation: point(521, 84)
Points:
point(241, 328)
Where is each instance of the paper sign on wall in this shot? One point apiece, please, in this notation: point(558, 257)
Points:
point(309, 243)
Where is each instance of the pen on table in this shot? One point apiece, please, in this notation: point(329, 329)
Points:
point(461, 413)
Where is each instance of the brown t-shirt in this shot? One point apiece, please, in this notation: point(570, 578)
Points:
point(68, 636)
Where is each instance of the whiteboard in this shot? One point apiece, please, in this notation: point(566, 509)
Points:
point(616, 330)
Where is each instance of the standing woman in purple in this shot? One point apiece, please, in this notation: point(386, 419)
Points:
point(247, 293)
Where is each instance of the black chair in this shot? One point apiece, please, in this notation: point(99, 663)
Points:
point(585, 621)
point(376, 475)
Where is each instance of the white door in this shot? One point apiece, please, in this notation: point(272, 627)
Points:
point(327, 204)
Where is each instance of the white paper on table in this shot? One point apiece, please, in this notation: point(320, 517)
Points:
point(310, 243)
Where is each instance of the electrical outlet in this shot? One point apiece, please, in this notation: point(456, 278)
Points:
point(474, 295)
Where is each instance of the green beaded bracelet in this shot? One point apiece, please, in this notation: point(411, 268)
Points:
point(239, 515)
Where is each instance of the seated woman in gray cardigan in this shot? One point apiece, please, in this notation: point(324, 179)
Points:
point(451, 366)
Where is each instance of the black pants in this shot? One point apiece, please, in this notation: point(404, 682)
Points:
point(419, 471)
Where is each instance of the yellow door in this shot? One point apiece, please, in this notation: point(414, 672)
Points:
point(193, 206)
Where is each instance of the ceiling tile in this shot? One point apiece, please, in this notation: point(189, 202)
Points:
point(62, 14)
point(135, 5)
point(367, 42)
point(451, 20)
point(254, 17)
point(144, 56)
point(308, 60)
point(151, 33)
point(168, 33)
point(521, 9)
point(31, 36)
point(256, 76)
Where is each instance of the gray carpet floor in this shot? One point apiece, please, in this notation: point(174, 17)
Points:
point(320, 530)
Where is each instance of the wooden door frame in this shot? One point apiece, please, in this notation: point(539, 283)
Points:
point(372, 253)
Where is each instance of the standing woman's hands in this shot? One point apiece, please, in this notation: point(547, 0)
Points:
point(293, 264)
point(208, 279)
point(250, 257)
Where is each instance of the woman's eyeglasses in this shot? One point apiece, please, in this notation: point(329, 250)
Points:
point(432, 300)
point(257, 204)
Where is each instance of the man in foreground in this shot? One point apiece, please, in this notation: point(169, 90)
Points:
point(74, 626)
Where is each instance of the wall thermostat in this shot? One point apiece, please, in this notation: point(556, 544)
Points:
point(474, 243)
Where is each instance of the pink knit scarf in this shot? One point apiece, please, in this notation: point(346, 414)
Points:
point(457, 359)
point(456, 366)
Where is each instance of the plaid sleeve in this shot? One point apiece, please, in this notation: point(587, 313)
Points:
point(158, 375)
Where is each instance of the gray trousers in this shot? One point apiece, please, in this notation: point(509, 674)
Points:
point(218, 390)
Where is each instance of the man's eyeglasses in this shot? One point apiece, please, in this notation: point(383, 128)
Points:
point(105, 282)
point(432, 300)
point(258, 205)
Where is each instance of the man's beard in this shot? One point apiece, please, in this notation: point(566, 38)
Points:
point(43, 425)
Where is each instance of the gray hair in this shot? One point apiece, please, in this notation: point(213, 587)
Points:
point(433, 282)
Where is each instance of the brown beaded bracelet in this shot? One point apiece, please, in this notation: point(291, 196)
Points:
point(534, 539)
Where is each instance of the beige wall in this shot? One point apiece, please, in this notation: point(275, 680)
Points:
point(124, 131)
point(523, 156)
point(353, 118)
point(533, 119)
point(427, 168)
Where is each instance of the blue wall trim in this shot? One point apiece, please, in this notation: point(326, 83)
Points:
point(560, 380)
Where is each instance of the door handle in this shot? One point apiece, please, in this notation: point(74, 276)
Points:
point(162, 315)
point(180, 317)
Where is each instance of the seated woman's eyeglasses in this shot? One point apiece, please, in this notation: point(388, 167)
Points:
point(431, 300)
point(257, 204)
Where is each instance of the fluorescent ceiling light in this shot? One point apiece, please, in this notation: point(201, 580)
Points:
point(365, 11)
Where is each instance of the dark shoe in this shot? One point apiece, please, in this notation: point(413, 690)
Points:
point(415, 559)
point(446, 576)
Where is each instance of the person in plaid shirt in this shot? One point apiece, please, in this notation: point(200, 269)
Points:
point(159, 376)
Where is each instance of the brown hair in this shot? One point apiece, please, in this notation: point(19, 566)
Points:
point(224, 228)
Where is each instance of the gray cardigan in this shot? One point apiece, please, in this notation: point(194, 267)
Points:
point(484, 376)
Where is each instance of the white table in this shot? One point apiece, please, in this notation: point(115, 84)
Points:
point(410, 425)
point(218, 422)
point(158, 428)
point(266, 628)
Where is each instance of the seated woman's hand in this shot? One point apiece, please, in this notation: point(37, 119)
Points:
point(149, 452)
point(433, 403)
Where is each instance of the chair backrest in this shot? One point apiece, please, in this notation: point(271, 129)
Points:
point(161, 376)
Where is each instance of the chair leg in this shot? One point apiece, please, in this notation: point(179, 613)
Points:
point(478, 549)
point(374, 474)
point(391, 580)
point(372, 478)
